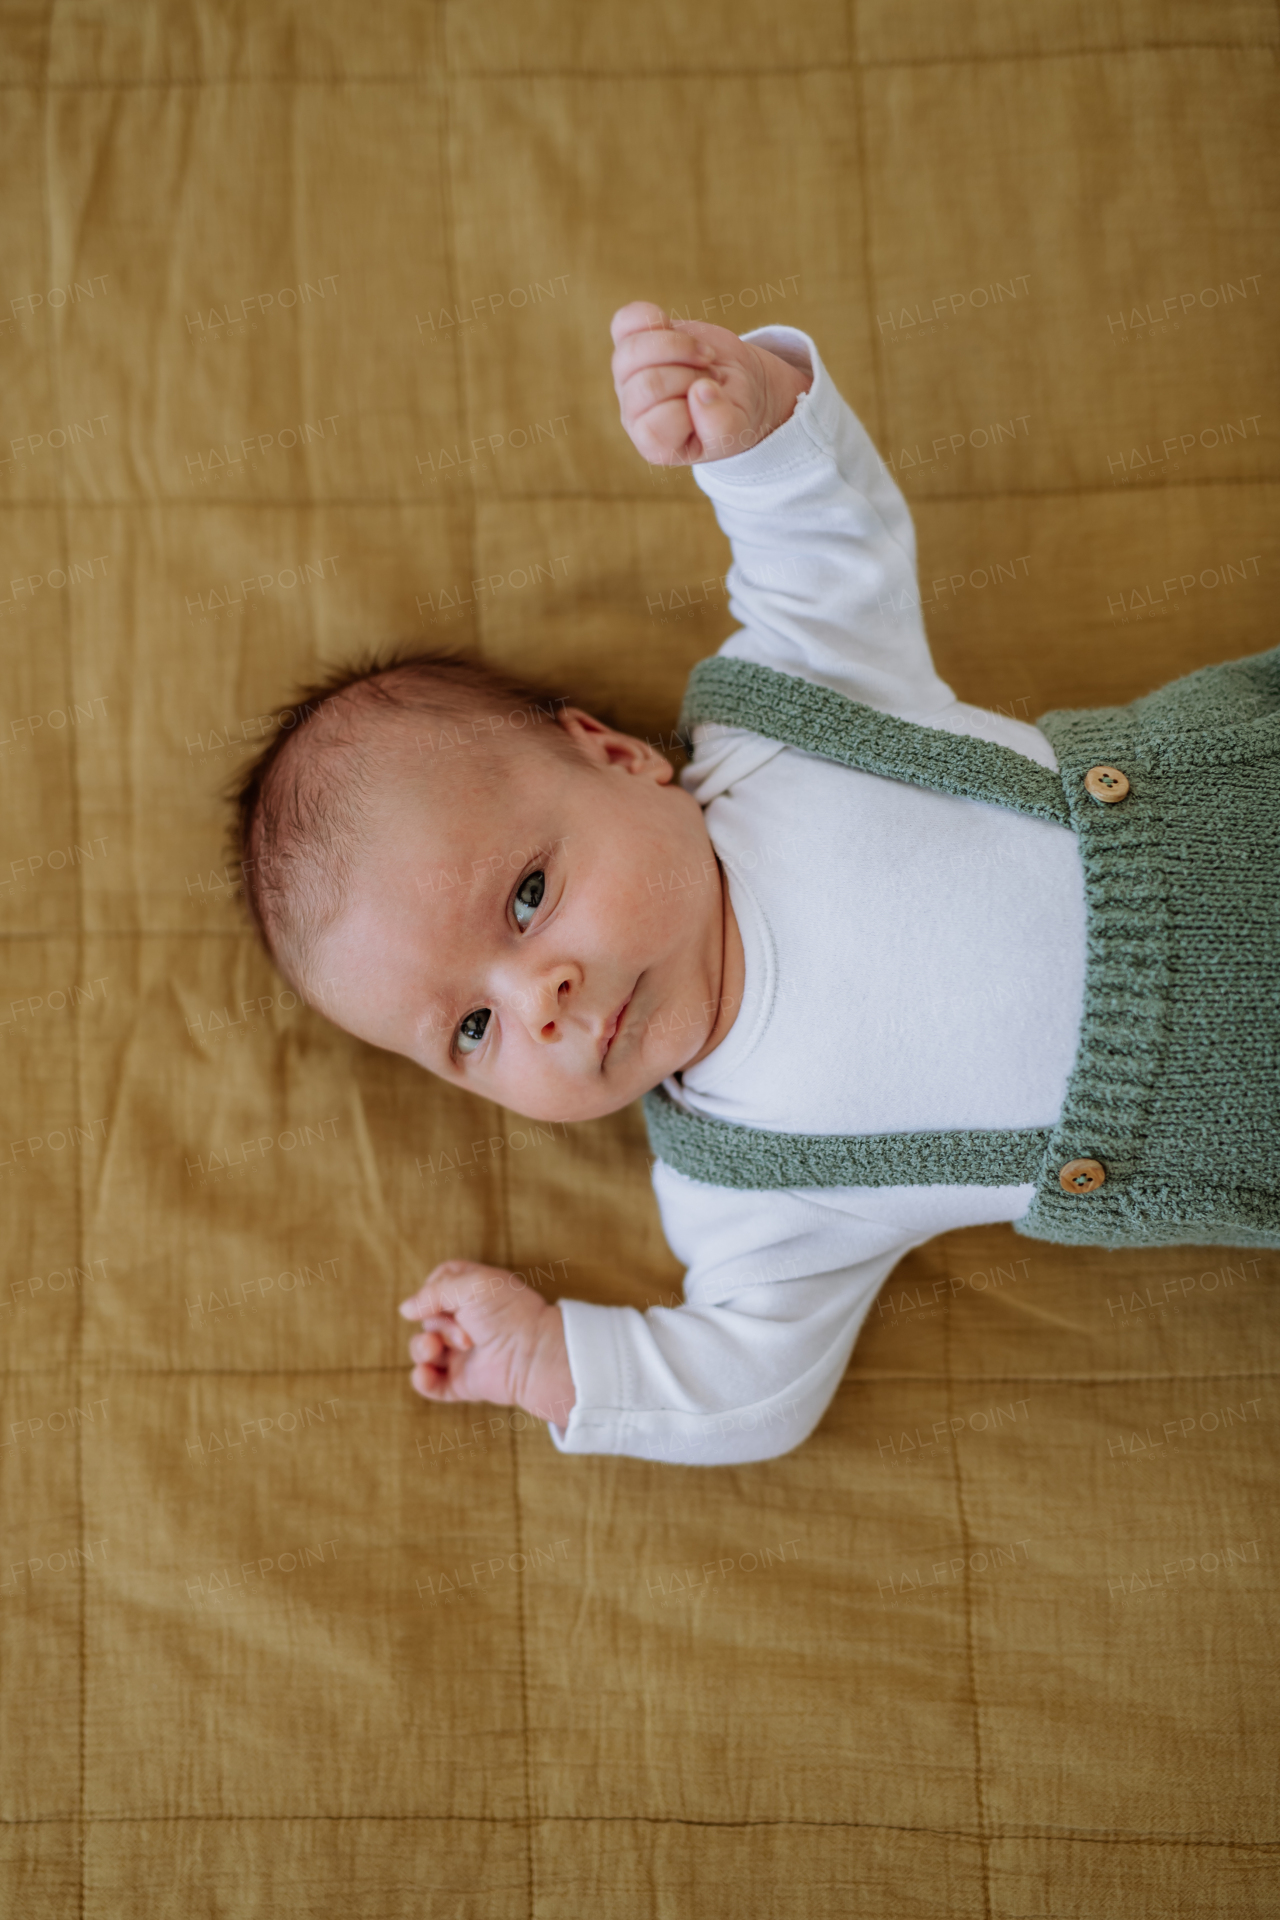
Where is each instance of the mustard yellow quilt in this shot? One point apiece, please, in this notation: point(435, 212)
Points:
point(304, 326)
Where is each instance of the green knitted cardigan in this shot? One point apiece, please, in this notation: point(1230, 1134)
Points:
point(1175, 1088)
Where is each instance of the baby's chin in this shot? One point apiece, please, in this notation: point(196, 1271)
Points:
point(594, 1103)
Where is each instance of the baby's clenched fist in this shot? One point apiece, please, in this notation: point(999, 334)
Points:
point(487, 1335)
point(691, 392)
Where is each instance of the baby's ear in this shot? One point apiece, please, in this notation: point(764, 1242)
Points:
point(660, 768)
point(606, 747)
point(647, 759)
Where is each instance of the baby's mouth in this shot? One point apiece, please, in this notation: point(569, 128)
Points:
point(611, 1031)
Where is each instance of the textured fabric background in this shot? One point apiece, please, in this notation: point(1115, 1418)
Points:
point(316, 296)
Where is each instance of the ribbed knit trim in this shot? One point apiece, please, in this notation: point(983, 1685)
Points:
point(1118, 1059)
point(820, 720)
point(725, 1155)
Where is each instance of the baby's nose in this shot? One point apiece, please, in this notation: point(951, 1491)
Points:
point(552, 996)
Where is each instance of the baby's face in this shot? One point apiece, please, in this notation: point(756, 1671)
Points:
point(514, 902)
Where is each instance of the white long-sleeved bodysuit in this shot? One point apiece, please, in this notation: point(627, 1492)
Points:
point(913, 961)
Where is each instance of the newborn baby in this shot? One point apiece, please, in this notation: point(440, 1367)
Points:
point(551, 920)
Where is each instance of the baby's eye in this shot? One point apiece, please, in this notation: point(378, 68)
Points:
point(529, 898)
point(471, 1030)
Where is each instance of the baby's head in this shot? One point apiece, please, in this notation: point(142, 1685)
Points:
point(462, 869)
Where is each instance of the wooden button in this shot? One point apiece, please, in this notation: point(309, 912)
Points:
point(1082, 1176)
point(1106, 783)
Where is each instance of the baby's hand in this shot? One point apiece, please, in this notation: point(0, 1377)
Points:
point(692, 392)
point(487, 1335)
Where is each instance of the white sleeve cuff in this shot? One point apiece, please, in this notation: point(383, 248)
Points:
point(593, 1345)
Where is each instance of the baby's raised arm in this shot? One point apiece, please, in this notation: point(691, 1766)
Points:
point(823, 581)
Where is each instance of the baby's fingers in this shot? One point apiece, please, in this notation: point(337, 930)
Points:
point(437, 1337)
point(636, 317)
point(652, 387)
point(447, 1327)
point(722, 425)
point(671, 349)
point(446, 1288)
point(663, 435)
point(432, 1382)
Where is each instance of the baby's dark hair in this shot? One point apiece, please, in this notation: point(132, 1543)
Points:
point(298, 808)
